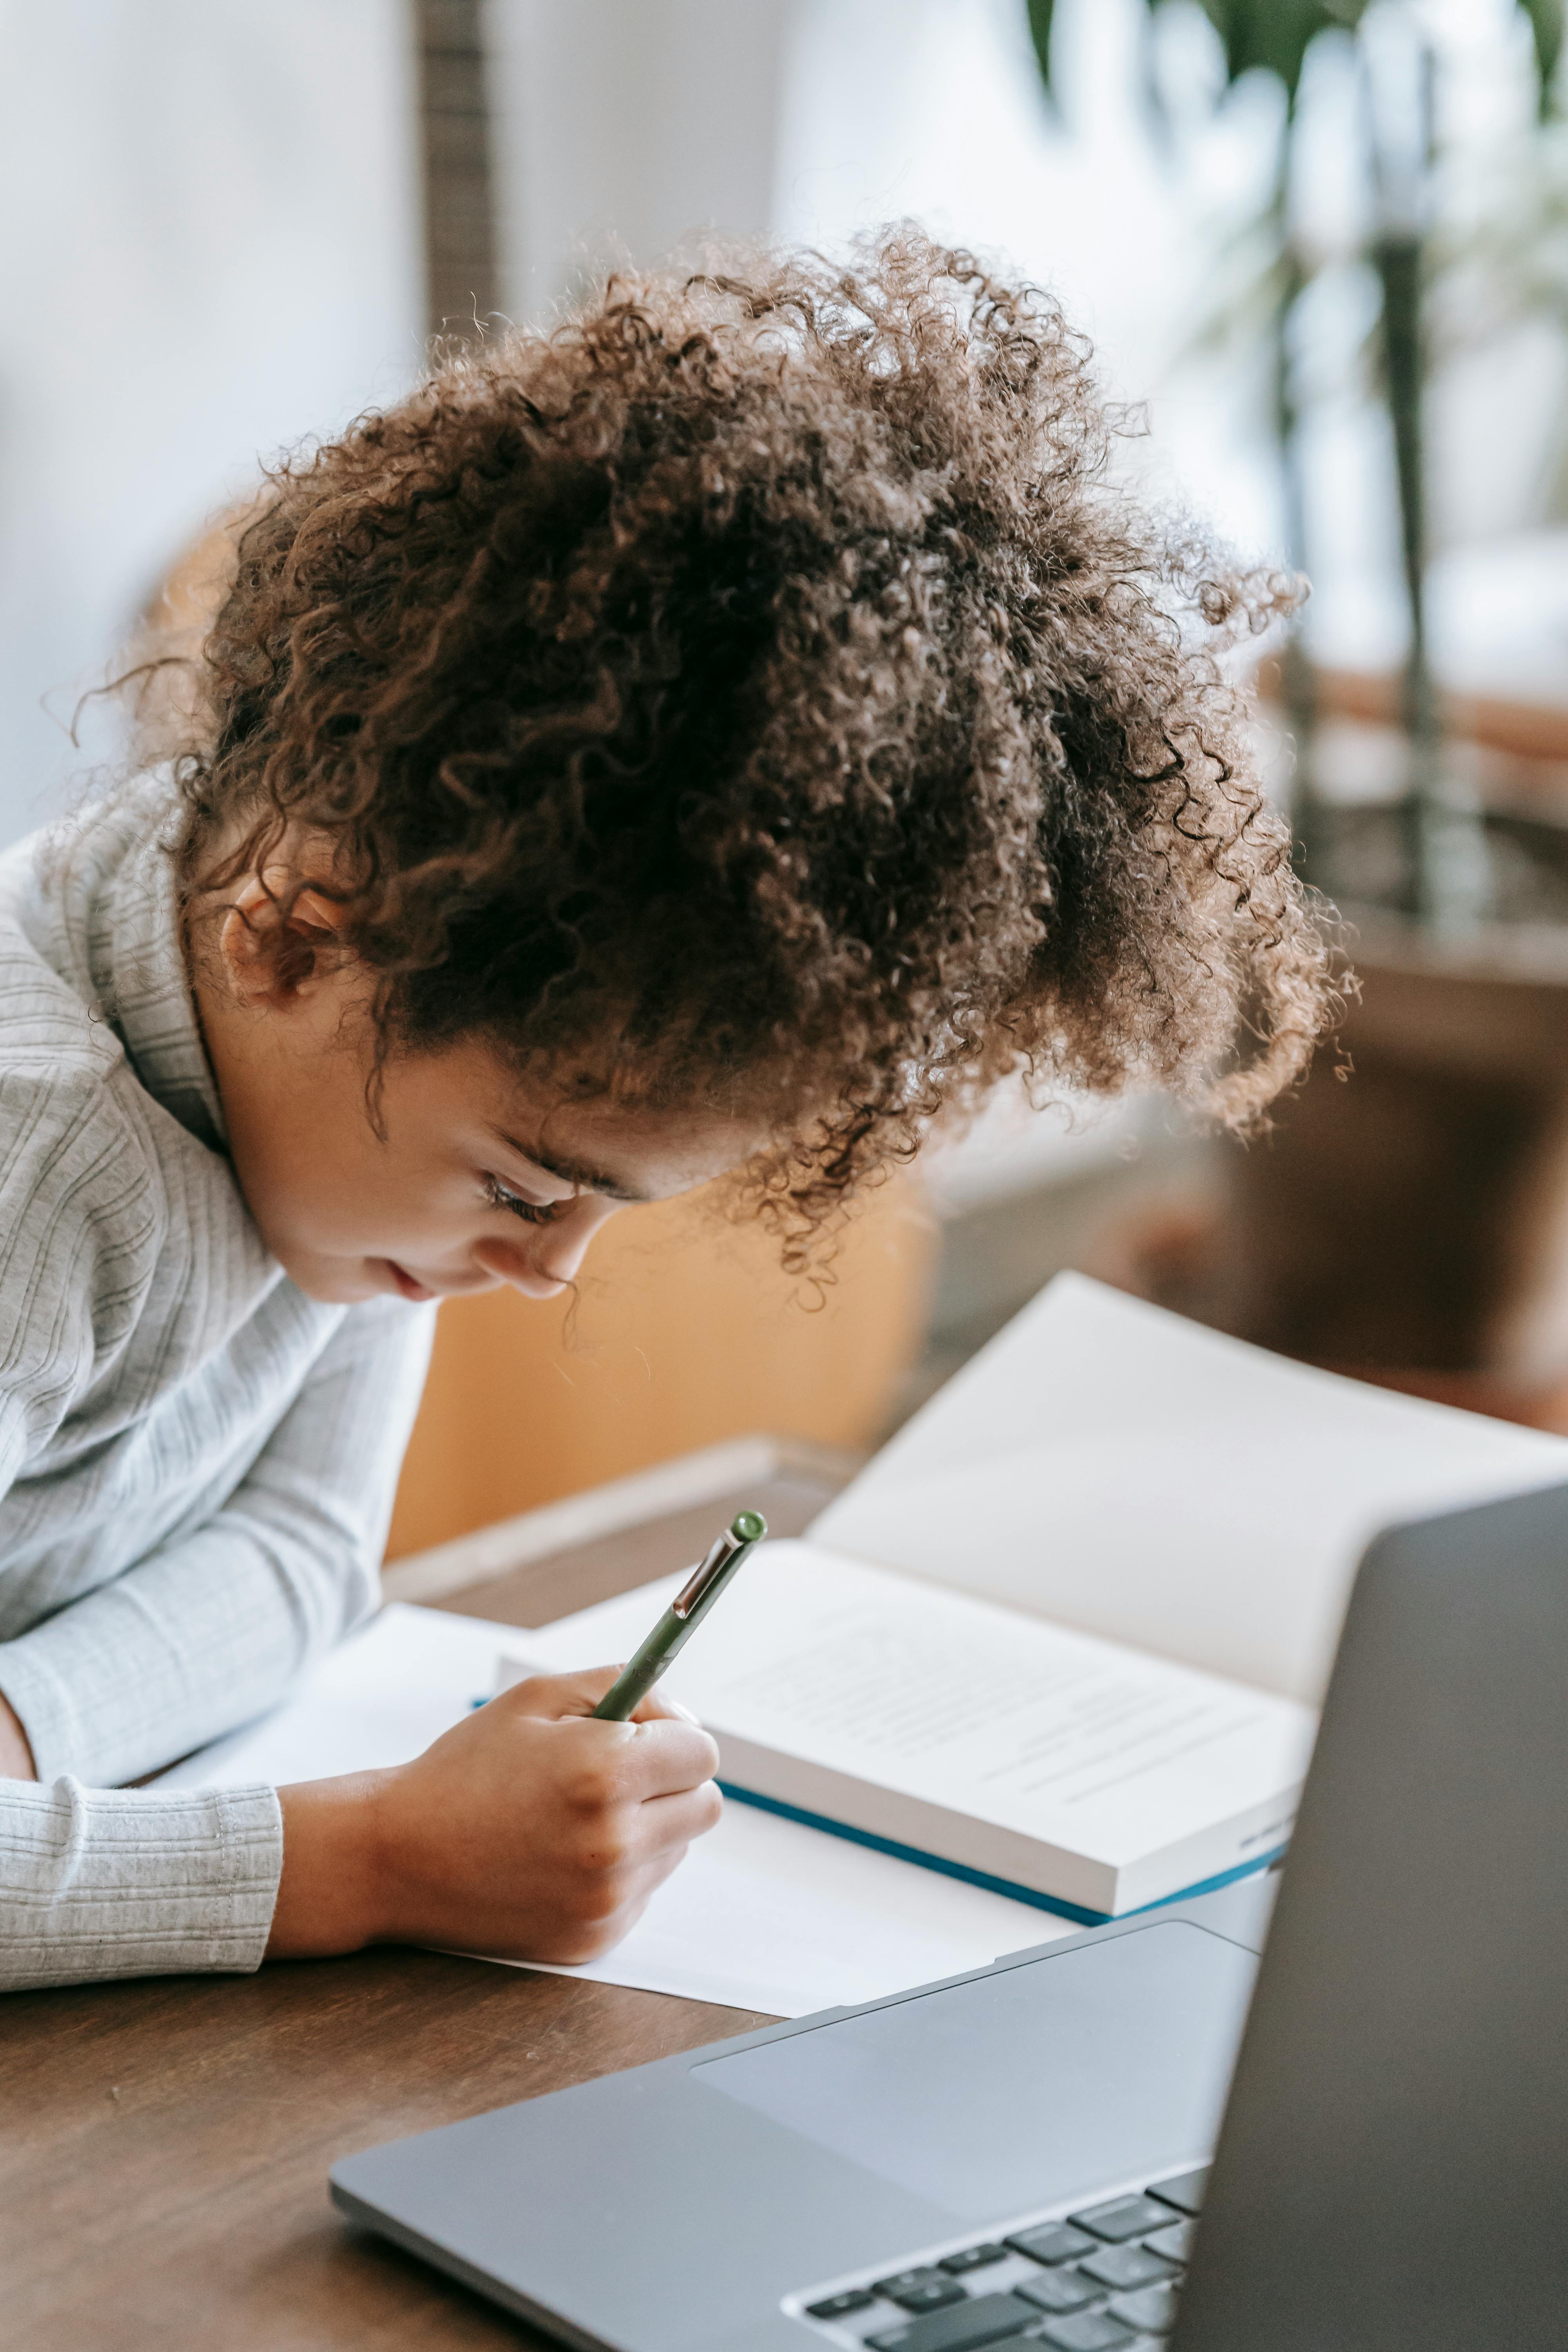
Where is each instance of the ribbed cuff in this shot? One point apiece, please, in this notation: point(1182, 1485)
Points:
point(134, 1882)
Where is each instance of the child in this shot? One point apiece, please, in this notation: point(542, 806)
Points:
point(709, 741)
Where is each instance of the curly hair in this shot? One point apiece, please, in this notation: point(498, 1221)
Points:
point(758, 681)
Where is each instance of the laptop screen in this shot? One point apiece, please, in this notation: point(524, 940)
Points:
point(1393, 2173)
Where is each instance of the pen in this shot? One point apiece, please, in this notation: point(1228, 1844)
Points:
point(682, 1617)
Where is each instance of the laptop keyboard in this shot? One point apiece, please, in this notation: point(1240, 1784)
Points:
point(1103, 2278)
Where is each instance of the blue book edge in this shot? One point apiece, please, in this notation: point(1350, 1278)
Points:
point(1077, 1912)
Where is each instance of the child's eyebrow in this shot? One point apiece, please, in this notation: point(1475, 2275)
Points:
point(571, 1172)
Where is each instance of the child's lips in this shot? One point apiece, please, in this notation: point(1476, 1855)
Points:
point(410, 1290)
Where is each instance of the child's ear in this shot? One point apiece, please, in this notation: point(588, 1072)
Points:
point(270, 957)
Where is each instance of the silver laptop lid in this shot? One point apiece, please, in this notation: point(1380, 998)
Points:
point(1393, 2171)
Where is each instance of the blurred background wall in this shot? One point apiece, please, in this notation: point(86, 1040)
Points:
point(229, 228)
point(211, 248)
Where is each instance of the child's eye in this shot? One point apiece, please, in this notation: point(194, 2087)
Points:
point(532, 1212)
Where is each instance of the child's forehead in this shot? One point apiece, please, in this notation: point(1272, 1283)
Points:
point(597, 1138)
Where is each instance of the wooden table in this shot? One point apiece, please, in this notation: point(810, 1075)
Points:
point(164, 2145)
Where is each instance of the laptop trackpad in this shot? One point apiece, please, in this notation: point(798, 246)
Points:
point(993, 2096)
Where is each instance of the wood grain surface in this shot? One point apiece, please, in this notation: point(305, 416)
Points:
point(164, 2145)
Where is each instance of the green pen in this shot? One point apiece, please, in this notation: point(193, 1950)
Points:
point(682, 1617)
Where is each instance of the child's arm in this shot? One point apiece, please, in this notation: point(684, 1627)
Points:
point(96, 1881)
point(211, 1630)
point(531, 1831)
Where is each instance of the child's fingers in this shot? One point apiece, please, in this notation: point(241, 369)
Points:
point(656, 1705)
point(598, 1766)
point(579, 1693)
point(667, 1755)
point(674, 1820)
point(554, 1696)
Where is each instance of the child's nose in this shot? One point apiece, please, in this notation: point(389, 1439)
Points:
point(561, 1247)
point(544, 1265)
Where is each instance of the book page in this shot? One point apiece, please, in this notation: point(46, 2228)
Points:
point(1114, 1468)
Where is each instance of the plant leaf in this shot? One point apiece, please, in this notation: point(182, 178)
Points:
point(1040, 14)
point(1275, 36)
point(1546, 22)
point(1277, 33)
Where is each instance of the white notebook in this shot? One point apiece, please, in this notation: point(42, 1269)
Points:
point(1065, 1633)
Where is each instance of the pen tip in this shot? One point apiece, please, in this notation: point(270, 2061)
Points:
point(749, 1526)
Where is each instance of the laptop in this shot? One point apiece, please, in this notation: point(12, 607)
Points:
point(1045, 2152)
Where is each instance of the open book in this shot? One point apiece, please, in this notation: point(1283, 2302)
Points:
point(1065, 1634)
point(1089, 1777)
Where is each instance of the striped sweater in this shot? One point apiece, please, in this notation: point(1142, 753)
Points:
point(196, 1460)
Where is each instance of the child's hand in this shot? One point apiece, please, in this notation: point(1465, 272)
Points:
point(529, 1830)
point(15, 1754)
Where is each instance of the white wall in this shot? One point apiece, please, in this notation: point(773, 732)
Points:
point(627, 126)
point(208, 248)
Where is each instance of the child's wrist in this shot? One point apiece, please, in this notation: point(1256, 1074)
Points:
point(332, 1896)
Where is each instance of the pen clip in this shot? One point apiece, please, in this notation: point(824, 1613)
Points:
point(724, 1549)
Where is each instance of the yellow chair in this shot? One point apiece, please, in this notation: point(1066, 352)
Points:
point(683, 1330)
